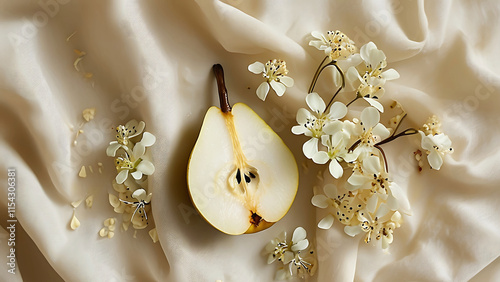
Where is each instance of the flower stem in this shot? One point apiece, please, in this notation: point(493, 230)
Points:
point(354, 146)
point(409, 131)
point(399, 123)
point(221, 86)
point(357, 97)
point(383, 155)
point(316, 75)
point(341, 87)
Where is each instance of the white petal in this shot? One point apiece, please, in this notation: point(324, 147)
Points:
point(366, 50)
point(402, 202)
point(427, 142)
point(390, 74)
point(317, 34)
point(148, 139)
point(302, 116)
point(396, 217)
point(333, 127)
point(326, 222)
point(374, 103)
point(381, 131)
point(139, 127)
point(336, 169)
point(139, 150)
point(137, 174)
point(442, 141)
point(299, 129)
point(372, 202)
point(382, 210)
point(279, 88)
point(310, 147)
point(376, 57)
point(337, 110)
point(146, 167)
point(301, 245)
point(315, 102)
point(321, 157)
point(435, 160)
point(139, 194)
point(371, 165)
point(352, 230)
point(287, 81)
point(271, 258)
point(299, 234)
point(352, 75)
point(330, 190)
point(339, 139)
point(122, 176)
point(112, 148)
point(320, 201)
point(357, 179)
point(257, 68)
point(317, 44)
point(262, 90)
point(370, 117)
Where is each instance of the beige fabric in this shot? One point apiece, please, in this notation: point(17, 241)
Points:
point(151, 60)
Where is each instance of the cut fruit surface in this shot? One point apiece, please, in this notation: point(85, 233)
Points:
point(241, 176)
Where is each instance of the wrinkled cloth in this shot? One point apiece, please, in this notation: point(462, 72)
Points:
point(151, 61)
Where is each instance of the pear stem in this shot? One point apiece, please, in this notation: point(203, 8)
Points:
point(221, 86)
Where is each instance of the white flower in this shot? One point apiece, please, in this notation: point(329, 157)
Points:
point(133, 162)
point(123, 136)
point(277, 248)
point(289, 253)
point(336, 145)
point(380, 227)
point(130, 130)
point(324, 201)
point(437, 147)
point(336, 44)
point(143, 199)
point(274, 72)
point(432, 126)
point(370, 132)
point(373, 78)
point(375, 62)
point(317, 123)
point(374, 179)
point(301, 266)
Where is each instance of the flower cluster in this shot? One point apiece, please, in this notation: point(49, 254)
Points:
point(364, 197)
point(133, 167)
point(296, 256)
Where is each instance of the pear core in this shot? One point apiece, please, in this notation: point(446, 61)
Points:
point(241, 176)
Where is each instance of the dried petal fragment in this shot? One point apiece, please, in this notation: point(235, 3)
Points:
point(154, 235)
point(89, 201)
point(114, 201)
point(83, 172)
point(75, 204)
point(75, 223)
point(88, 114)
point(103, 232)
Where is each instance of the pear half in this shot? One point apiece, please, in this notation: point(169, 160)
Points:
point(242, 178)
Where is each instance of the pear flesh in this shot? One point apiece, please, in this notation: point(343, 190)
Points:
point(241, 176)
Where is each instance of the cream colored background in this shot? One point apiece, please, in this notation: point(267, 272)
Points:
point(447, 53)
